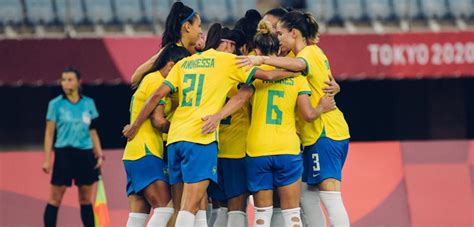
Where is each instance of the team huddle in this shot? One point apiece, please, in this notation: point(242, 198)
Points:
point(244, 111)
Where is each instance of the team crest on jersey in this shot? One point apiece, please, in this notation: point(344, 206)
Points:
point(86, 118)
point(214, 170)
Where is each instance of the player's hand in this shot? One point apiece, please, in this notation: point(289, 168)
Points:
point(46, 166)
point(327, 103)
point(100, 161)
point(333, 87)
point(210, 123)
point(249, 61)
point(129, 131)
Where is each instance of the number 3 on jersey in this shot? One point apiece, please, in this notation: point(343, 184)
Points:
point(272, 108)
point(190, 79)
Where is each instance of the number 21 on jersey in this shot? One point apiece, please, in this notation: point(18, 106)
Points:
point(190, 80)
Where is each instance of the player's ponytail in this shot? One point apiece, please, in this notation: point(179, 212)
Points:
point(248, 25)
point(178, 16)
point(312, 25)
point(303, 22)
point(218, 34)
point(213, 36)
point(265, 39)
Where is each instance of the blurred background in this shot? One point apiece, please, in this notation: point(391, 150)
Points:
point(405, 68)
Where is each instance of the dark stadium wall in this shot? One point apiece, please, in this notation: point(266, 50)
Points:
point(376, 110)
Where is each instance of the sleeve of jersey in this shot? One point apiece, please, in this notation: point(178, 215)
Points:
point(51, 114)
point(303, 86)
point(172, 78)
point(243, 76)
point(304, 57)
point(94, 112)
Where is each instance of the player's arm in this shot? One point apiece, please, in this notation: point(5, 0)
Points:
point(48, 145)
point(292, 64)
point(147, 109)
point(332, 88)
point(142, 69)
point(309, 113)
point(158, 119)
point(235, 103)
point(96, 147)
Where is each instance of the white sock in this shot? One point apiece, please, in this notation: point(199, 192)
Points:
point(277, 218)
point(221, 219)
point(311, 204)
point(200, 220)
point(185, 219)
point(237, 219)
point(262, 216)
point(136, 219)
point(161, 216)
point(213, 217)
point(335, 207)
point(292, 217)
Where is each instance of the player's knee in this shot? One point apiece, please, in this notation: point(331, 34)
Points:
point(85, 198)
point(236, 204)
point(56, 196)
point(157, 200)
point(330, 184)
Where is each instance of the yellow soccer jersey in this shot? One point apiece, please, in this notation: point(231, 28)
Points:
point(291, 54)
point(203, 81)
point(233, 131)
point(273, 127)
point(148, 140)
point(331, 124)
point(170, 106)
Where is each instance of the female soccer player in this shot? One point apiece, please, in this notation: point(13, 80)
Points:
point(273, 154)
point(183, 27)
point(147, 173)
point(203, 81)
point(78, 153)
point(326, 140)
point(231, 192)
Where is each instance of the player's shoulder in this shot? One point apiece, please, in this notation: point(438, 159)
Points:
point(87, 99)
point(299, 79)
point(56, 100)
point(152, 77)
point(309, 50)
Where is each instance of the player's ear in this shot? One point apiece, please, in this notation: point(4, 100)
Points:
point(294, 33)
point(187, 27)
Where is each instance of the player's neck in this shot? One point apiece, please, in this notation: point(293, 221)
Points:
point(187, 44)
point(73, 96)
point(300, 45)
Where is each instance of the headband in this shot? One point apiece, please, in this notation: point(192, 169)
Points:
point(188, 18)
point(228, 40)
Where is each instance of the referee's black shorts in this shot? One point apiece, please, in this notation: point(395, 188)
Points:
point(74, 164)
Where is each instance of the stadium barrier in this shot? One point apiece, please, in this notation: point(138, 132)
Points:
point(408, 183)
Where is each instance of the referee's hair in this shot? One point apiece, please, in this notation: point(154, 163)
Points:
point(71, 69)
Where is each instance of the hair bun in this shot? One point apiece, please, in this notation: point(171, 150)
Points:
point(253, 14)
point(264, 27)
